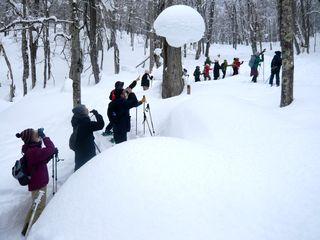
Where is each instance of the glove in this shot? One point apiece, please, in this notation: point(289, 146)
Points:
point(41, 133)
point(94, 112)
point(143, 100)
point(56, 151)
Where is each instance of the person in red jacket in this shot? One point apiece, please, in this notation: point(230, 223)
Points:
point(236, 65)
point(37, 158)
point(206, 72)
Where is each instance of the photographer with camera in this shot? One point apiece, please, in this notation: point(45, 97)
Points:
point(82, 139)
point(36, 158)
point(118, 85)
point(254, 63)
point(119, 113)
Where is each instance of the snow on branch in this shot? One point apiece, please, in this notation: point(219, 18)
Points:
point(33, 21)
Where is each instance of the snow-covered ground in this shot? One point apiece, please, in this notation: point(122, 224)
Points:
point(227, 163)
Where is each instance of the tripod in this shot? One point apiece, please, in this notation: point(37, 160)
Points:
point(145, 120)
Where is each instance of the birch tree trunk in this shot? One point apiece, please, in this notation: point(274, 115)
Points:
point(76, 55)
point(285, 14)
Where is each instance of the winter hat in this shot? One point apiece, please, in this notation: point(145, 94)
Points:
point(80, 109)
point(118, 85)
point(25, 135)
point(277, 52)
point(118, 92)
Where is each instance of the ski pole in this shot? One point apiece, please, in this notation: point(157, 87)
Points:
point(35, 205)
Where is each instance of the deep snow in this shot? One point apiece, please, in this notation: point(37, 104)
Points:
point(180, 24)
point(264, 159)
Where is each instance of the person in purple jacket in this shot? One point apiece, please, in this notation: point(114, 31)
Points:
point(37, 158)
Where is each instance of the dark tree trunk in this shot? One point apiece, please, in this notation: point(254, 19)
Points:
point(173, 83)
point(46, 48)
point(24, 51)
point(198, 52)
point(33, 46)
point(210, 28)
point(93, 40)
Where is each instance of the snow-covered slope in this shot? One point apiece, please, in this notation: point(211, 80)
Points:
point(265, 160)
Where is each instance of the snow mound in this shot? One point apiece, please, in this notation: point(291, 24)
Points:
point(157, 187)
point(180, 24)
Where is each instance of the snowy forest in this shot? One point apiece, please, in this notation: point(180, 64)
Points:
point(165, 119)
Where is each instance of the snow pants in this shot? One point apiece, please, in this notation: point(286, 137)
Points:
point(235, 71)
point(277, 73)
point(39, 210)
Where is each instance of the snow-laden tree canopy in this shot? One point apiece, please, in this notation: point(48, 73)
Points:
point(180, 24)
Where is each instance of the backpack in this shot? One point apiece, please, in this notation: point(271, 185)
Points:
point(73, 139)
point(252, 60)
point(19, 171)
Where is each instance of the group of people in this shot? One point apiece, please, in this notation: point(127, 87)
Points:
point(121, 101)
point(254, 64)
point(216, 69)
point(37, 156)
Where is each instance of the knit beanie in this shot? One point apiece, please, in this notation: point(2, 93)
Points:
point(80, 109)
point(25, 135)
point(118, 92)
point(118, 85)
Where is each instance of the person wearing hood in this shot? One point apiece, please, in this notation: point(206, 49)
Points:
point(236, 66)
point(216, 70)
point(206, 72)
point(276, 64)
point(119, 113)
point(83, 127)
point(224, 66)
point(36, 158)
point(197, 74)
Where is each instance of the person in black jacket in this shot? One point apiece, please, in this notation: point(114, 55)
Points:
point(84, 128)
point(118, 85)
point(119, 113)
point(145, 81)
point(216, 70)
point(197, 74)
point(275, 68)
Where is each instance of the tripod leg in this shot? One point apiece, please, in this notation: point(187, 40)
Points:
point(151, 119)
point(53, 187)
point(144, 120)
point(56, 172)
point(136, 121)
